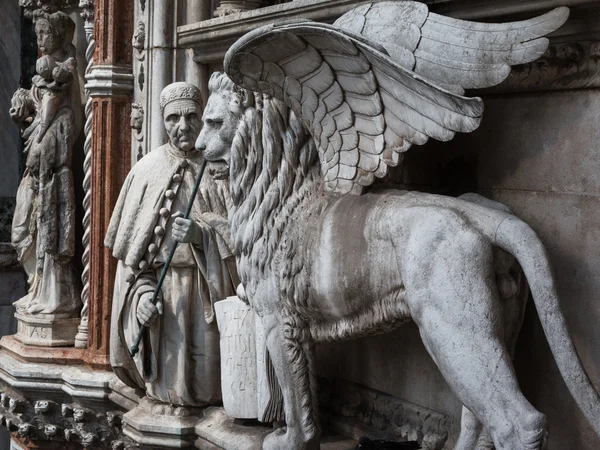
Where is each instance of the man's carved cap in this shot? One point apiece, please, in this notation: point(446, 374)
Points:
point(179, 91)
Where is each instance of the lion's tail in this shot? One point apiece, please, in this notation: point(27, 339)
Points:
point(517, 238)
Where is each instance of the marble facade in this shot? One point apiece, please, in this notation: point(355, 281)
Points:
point(545, 169)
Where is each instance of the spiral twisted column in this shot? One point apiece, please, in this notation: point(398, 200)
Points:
point(81, 339)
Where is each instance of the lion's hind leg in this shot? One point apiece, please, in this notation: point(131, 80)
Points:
point(454, 301)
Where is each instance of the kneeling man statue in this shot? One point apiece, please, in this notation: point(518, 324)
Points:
point(178, 359)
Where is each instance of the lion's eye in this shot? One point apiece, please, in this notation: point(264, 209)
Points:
point(214, 123)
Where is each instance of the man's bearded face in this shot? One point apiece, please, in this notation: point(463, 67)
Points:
point(182, 122)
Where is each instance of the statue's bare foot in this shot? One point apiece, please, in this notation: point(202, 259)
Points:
point(280, 439)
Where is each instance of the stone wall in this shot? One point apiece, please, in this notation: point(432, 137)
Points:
point(539, 153)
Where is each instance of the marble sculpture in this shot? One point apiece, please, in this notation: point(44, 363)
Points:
point(326, 109)
point(178, 361)
point(43, 228)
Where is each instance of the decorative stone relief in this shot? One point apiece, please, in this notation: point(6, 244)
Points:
point(43, 228)
point(331, 113)
point(141, 77)
point(41, 421)
point(137, 120)
point(574, 65)
point(227, 7)
point(180, 328)
point(137, 123)
point(354, 407)
point(139, 40)
point(47, 6)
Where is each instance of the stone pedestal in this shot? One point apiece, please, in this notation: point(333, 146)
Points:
point(45, 330)
point(157, 431)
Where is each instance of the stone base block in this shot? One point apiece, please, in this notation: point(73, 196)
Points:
point(45, 355)
point(46, 331)
point(157, 431)
point(217, 431)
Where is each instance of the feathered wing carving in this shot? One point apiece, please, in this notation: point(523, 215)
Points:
point(453, 53)
point(363, 106)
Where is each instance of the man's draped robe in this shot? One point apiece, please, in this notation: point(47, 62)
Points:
point(178, 361)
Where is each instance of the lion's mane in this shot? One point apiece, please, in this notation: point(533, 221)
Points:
point(275, 188)
point(274, 172)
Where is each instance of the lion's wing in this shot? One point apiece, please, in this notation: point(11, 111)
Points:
point(362, 108)
point(455, 54)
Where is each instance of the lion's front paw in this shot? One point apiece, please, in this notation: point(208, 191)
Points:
point(280, 440)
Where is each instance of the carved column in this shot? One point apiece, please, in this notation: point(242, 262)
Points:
point(87, 13)
point(110, 84)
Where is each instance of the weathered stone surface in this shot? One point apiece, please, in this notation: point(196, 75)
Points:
point(156, 430)
point(238, 358)
point(567, 224)
point(46, 331)
point(44, 355)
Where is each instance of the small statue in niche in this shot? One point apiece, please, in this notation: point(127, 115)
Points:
point(178, 360)
point(139, 36)
point(136, 120)
point(138, 41)
point(43, 229)
point(336, 105)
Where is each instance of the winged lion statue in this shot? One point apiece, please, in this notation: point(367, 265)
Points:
point(310, 115)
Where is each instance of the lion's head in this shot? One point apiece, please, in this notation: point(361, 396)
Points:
point(274, 169)
point(226, 105)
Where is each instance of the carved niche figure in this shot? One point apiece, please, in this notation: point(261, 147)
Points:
point(139, 36)
point(178, 361)
point(43, 229)
point(318, 265)
point(136, 121)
